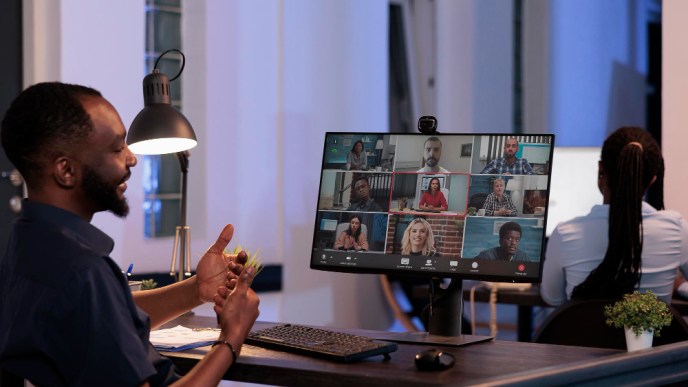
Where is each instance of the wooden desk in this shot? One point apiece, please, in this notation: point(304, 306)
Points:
point(494, 363)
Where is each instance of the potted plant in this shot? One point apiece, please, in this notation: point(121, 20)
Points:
point(472, 211)
point(642, 315)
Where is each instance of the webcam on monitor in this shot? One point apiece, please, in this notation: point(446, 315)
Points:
point(427, 125)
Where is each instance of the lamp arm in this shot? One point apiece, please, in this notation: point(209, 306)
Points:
point(183, 158)
point(183, 232)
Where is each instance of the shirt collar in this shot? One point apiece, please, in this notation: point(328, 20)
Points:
point(603, 209)
point(79, 229)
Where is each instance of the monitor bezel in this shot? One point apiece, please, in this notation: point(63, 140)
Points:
point(480, 275)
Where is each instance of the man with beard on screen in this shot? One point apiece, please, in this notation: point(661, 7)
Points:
point(509, 164)
point(432, 152)
point(67, 316)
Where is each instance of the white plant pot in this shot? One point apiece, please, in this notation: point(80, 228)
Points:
point(637, 342)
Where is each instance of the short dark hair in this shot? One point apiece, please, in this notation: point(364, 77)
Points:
point(433, 138)
point(509, 226)
point(44, 121)
point(362, 178)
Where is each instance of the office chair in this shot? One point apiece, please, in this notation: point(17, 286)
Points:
point(8, 379)
point(477, 200)
point(582, 323)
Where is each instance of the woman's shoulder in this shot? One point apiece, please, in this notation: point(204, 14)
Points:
point(650, 212)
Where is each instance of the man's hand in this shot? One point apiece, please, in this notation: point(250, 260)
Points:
point(216, 269)
point(240, 310)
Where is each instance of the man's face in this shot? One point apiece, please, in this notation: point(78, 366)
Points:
point(106, 163)
point(432, 152)
point(362, 189)
point(510, 147)
point(509, 242)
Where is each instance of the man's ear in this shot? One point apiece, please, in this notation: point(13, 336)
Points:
point(64, 172)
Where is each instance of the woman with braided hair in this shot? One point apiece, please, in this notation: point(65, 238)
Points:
point(624, 244)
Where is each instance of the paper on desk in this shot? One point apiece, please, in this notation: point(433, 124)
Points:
point(181, 338)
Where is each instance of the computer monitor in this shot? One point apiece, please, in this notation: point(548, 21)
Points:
point(471, 230)
point(577, 164)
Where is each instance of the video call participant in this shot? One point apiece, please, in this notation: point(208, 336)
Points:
point(509, 164)
point(432, 152)
point(356, 159)
point(418, 239)
point(602, 255)
point(498, 202)
point(433, 198)
point(67, 316)
point(509, 238)
point(353, 238)
point(363, 201)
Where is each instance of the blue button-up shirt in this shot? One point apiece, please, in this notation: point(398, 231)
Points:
point(500, 166)
point(67, 317)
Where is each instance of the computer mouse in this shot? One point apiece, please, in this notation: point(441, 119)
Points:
point(434, 360)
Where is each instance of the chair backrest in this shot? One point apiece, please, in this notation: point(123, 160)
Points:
point(582, 323)
point(445, 192)
point(8, 379)
point(477, 200)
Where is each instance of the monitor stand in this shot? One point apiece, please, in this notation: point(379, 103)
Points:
point(444, 326)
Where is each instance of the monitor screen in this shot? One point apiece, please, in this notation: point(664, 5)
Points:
point(470, 206)
point(577, 164)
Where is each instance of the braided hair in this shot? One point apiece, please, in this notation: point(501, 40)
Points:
point(631, 159)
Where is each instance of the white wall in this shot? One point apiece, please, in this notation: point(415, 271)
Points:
point(674, 100)
point(265, 79)
point(263, 82)
point(474, 69)
point(596, 69)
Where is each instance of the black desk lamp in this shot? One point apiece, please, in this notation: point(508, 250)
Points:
point(161, 129)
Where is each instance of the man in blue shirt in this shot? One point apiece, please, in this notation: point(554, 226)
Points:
point(509, 164)
point(67, 316)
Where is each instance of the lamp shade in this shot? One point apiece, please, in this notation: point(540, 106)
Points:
point(159, 128)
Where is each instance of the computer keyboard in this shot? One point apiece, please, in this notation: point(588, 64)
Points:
point(320, 343)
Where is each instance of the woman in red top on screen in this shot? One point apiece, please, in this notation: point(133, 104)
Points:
point(353, 238)
point(418, 239)
point(433, 198)
point(498, 203)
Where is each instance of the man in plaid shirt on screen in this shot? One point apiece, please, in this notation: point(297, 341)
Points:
point(509, 164)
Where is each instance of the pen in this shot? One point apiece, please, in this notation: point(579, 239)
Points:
point(131, 266)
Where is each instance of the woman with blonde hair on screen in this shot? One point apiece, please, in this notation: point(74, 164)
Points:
point(418, 239)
